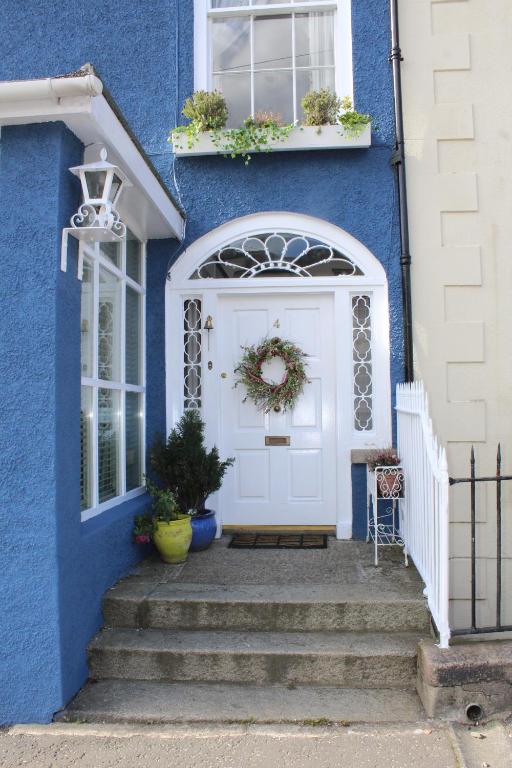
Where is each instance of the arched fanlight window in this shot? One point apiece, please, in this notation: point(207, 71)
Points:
point(276, 254)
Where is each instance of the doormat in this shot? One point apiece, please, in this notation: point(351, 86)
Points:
point(279, 541)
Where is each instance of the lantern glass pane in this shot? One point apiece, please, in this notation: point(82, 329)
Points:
point(114, 189)
point(95, 181)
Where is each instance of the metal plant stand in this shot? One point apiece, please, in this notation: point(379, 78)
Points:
point(385, 490)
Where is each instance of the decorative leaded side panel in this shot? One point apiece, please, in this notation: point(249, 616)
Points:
point(362, 363)
point(276, 254)
point(192, 354)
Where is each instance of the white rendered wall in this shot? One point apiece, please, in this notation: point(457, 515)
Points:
point(457, 75)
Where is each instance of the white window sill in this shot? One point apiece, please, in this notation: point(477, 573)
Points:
point(299, 139)
point(87, 514)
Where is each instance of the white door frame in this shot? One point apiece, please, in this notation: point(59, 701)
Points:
point(373, 281)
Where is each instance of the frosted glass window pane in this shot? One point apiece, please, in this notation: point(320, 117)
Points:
point(272, 42)
point(86, 448)
point(312, 80)
point(133, 257)
point(86, 320)
point(236, 89)
point(133, 345)
point(108, 444)
point(111, 251)
point(133, 426)
point(109, 326)
point(229, 3)
point(314, 39)
point(273, 91)
point(231, 44)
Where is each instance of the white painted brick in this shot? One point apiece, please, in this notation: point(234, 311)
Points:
point(460, 266)
point(453, 121)
point(451, 51)
point(457, 192)
point(463, 342)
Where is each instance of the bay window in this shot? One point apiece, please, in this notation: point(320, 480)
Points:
point(265, 55)
point(112, 369)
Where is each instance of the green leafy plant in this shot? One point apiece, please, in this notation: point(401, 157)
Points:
point(352, 122)
point(321, 107)
point(207, 111)
point(164, 509)
point(184, 467)
point(256, 135)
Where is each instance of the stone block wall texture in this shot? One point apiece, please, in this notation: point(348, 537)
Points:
point(56, 569)
point(457, 118)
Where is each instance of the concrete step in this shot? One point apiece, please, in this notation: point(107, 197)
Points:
point(128, 701)
point(282, 608)
point(346, 659)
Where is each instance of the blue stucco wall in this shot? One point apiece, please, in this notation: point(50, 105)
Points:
point(56, 569)
point(145, 56)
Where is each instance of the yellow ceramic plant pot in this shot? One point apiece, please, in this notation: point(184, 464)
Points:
point(173, 539)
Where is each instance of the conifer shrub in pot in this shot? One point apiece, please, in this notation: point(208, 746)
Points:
point(192, 473)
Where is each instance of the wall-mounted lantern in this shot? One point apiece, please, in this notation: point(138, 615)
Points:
point(97, 219)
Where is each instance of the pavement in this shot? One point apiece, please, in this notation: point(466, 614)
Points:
point(425, 745)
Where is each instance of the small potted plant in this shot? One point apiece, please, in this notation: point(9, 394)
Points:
point(167, 526)
point(206, 111)
point(321, 107)
point(389, 484)
point(191, 473)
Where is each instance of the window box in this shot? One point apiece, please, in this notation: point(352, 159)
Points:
point(300, 139)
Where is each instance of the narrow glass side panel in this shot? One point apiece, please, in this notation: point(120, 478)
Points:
point(109, 327)
point(108, 444)
point(362, 363)
point(133, 428)
point(133, 366)
point(86, 447)
point(192, 354)
point(86, 320)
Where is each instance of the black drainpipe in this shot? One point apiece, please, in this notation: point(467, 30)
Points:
point(398, 160)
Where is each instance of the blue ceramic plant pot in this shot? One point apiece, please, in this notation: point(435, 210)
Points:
point(204, 528)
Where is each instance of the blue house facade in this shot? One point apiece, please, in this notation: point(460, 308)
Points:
point(104, 341)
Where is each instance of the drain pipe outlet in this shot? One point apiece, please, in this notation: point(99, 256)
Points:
point(398, 160)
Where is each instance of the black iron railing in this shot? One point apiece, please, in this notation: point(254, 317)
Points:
point(498, 479)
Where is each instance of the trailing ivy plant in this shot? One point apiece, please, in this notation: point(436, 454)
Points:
point(257, 134)
point(207, 111)
point(352, 122)
point(323, 107)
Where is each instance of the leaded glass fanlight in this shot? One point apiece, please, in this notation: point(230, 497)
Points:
point(276, 254)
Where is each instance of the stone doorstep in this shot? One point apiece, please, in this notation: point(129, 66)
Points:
point(297, 608)
point(466, 673)
point(355, 660)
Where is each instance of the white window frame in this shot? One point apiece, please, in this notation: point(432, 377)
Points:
point(92, 252)
point(342, 35)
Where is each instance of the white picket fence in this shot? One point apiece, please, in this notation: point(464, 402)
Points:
point(425, 507)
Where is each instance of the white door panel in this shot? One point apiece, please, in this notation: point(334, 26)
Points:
point(279, 485)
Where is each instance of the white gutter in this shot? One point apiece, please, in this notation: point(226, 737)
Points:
point(79, 103)
point(50, 87)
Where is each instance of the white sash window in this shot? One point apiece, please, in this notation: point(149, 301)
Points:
point(112, 364)
point(265, 56)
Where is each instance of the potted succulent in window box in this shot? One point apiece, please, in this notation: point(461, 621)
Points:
point(192, 473)
point(390, 480)
point(169, 528)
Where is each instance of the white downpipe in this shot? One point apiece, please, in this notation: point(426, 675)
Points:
point(426, 506)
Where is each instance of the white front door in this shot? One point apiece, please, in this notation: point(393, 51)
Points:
point(291, 484)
